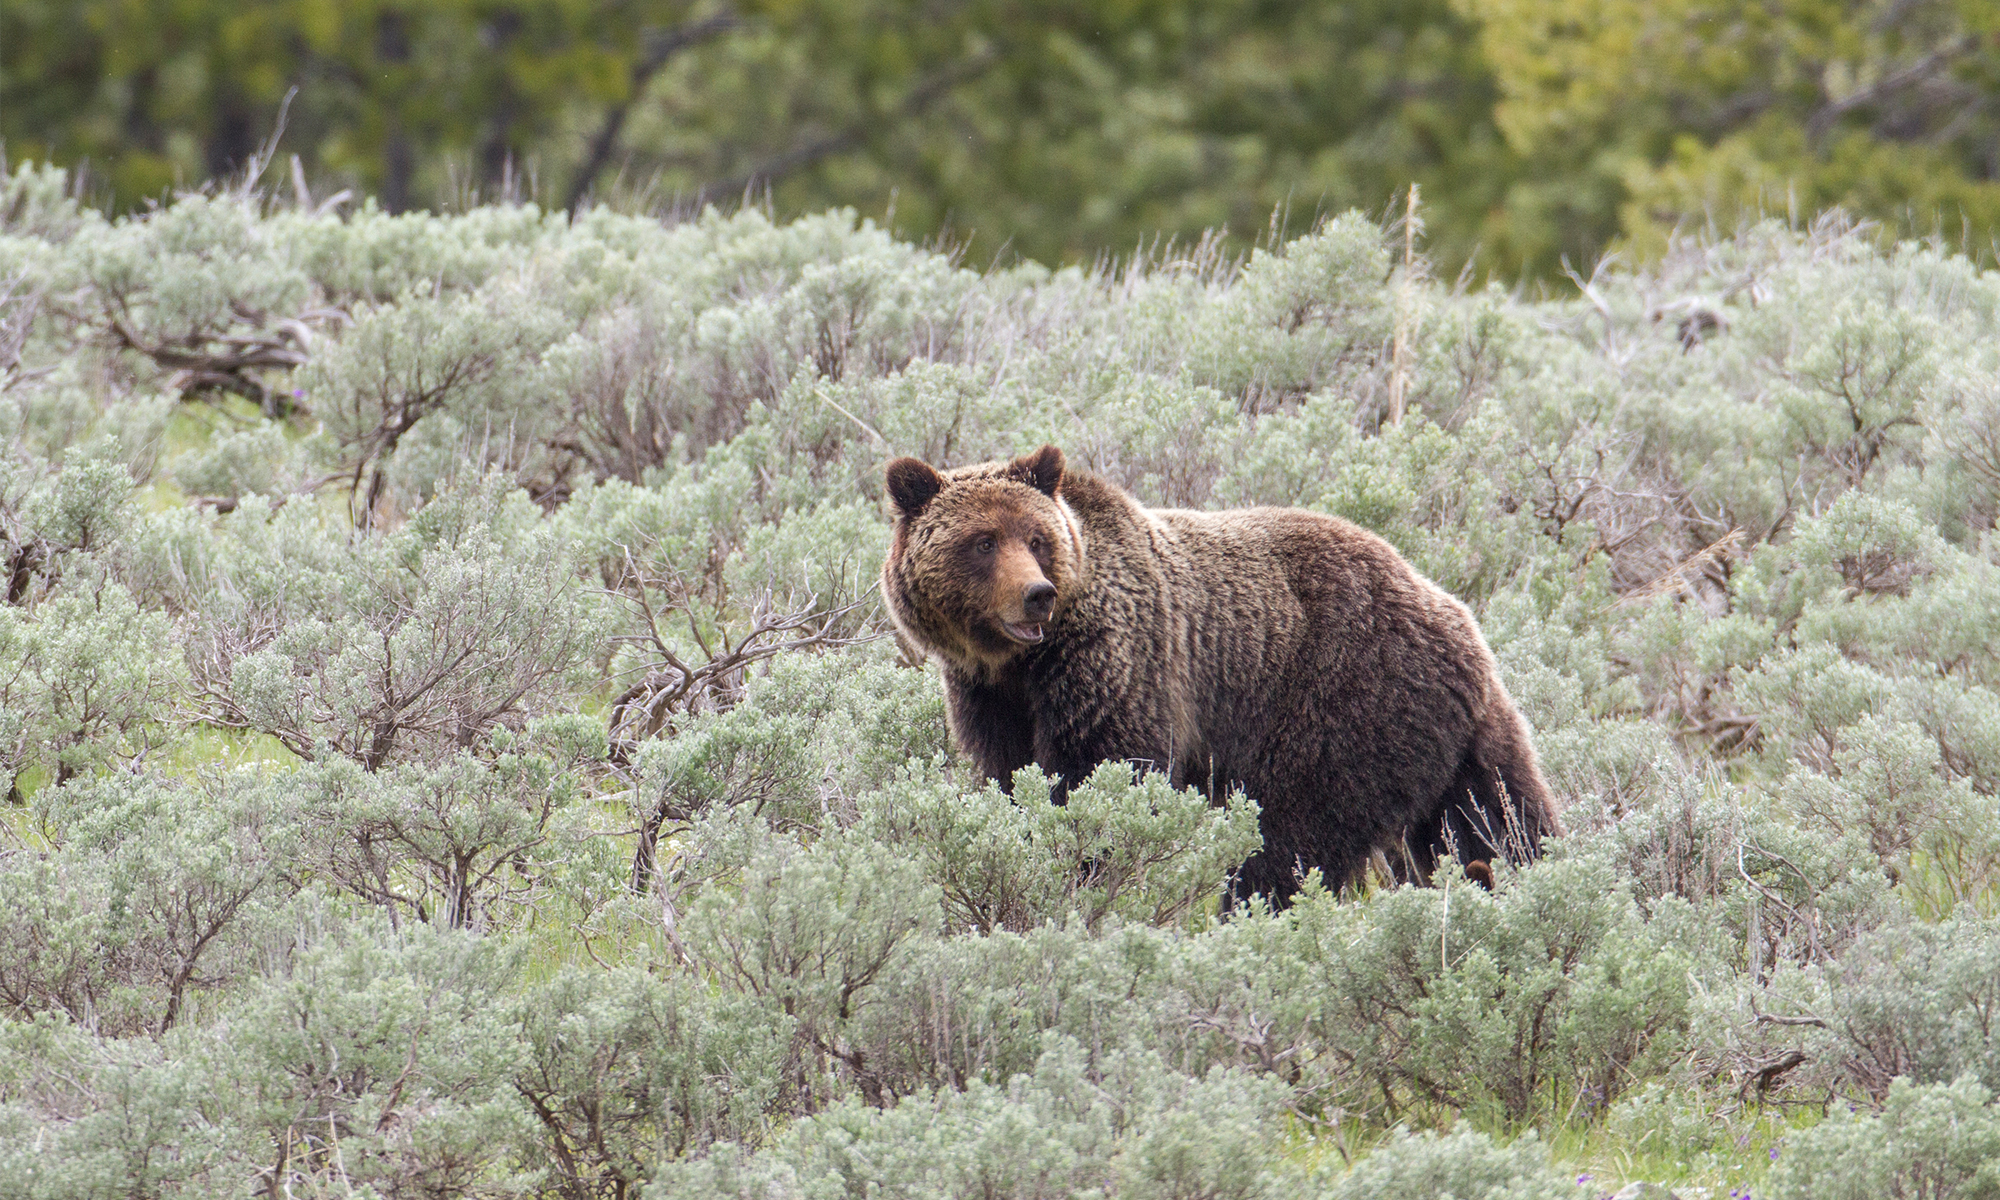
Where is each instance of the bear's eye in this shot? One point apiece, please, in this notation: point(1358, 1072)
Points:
point(983, 545)
point(1035, 544)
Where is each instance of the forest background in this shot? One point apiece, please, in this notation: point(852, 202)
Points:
point(453, 746)
point(1539, 130)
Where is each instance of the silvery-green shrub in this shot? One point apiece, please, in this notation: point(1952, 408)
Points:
point(1123, 1125)
point(1937, 1140)
point(1463, 1164)
point(1553, 990)
point(527, 732)
point(149, 895)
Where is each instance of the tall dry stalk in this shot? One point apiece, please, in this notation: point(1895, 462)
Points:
point(1406, 305)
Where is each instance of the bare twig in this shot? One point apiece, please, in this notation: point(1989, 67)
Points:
point(1399, 371)
point(1764, 1018)
point(226, 361)
point(672, 685)
point(261, 160)
point(866, 428)
point(1677, 578)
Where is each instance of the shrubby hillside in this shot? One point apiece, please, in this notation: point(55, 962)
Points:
point(455, 748)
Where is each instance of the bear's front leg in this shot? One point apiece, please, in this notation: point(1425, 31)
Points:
point(1080, 724)
point(992, 722)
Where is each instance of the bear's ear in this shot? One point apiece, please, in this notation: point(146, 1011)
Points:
point(1042, 470)
point(913, 484)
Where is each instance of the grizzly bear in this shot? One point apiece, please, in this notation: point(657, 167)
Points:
point(1288, 653)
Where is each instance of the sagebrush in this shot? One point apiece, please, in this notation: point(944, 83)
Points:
point(455, 748)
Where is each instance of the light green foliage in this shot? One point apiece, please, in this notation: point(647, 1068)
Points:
point(621, 1066)
point(806, 741)
point(149, 894)
point(371, 256)
point(467, 842)
point(83, 507)
point(1936, 1140)
point(1118, 845)
point(39, 202)
point(811, 932)
point(380, 1058)
point(1304, 310)
point(1657, 1120)
point(247, 461)
point(1069, 1127)
point(1552, 992)
point(1462, 1165)
point(87, 683)
point(55, 514)
point(580, 828)
point(452, 625)
point(136, 1127)
point(202, 275)
point(440, 370)
point(1915, 1000)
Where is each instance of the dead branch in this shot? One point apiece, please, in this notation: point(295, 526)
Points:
point(1765, 1075)
point(1677, 578)
point(673, 686)
point(227, 362)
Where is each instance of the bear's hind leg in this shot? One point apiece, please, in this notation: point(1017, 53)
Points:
point(1510, 787)
point(1479, 818)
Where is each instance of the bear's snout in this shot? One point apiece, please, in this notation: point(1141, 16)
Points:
point(1019, 581)
point(1038, 600)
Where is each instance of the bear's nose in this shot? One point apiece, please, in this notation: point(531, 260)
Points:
point(1039, 600)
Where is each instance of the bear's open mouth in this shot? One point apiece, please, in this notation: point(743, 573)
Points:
point(1029, 632)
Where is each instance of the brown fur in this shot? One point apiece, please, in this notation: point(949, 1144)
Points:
point(1292, 654)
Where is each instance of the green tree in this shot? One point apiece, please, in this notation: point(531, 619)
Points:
point(1052, 129)
point(165, 95)
point(1642, 117)
point(1537, 129)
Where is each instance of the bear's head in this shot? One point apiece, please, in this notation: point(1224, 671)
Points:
point(984, 557)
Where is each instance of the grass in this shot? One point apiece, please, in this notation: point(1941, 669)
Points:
point(205, 746)
point(1709, 1151)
